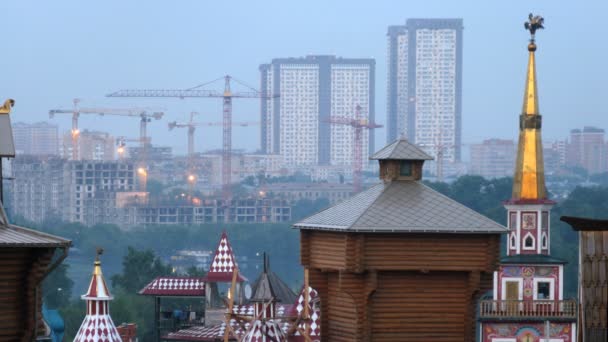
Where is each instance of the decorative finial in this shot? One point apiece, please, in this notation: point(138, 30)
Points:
point(534, 23)
point(98, 252)
point(6, 108)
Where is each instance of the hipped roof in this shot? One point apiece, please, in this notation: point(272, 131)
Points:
point(401, 149)
point(401, 206)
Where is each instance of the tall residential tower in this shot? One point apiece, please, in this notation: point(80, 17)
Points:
point(312, 89)
point(424, 95)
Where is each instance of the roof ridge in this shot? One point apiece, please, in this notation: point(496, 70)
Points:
point(339, 203)
point(462, 205)
point(373, 202)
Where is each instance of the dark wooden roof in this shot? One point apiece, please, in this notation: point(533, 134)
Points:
point(582, 223)
point(282, 293)
point(401, 206)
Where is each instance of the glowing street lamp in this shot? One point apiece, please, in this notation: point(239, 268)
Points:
point(191, 178)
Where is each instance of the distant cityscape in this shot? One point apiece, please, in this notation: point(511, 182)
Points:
point(317, 132)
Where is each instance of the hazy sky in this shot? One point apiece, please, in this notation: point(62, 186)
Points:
point(54, 51)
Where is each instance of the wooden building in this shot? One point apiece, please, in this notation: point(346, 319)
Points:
point(399, 261)
point(593, 277)
point(26, 258)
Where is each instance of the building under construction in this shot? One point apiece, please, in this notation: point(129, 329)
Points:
point(98, 192)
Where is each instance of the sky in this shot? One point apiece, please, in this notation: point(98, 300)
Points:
point(55, 51)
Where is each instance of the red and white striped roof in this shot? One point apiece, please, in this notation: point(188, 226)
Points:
point(314, 310)
point(223, 263)
point(216, 332)
point(97, 325)
point(97, 287)
point(265, 331)
point(175, 286)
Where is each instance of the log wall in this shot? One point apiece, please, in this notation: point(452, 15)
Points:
point(21, 270)
point(399, 287)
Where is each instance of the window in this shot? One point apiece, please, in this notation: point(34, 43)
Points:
point(512, 242)
point(543, 290)
point(529, 242)
point(405, 168)
point(544, 242)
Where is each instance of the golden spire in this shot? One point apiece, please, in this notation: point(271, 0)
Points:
point(529, 179)
point(97, 264)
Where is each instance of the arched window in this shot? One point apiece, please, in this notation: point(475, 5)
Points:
point(544, 241)
point(529, 242)
point(513, 242)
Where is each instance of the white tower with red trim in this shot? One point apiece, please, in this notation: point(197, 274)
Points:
point(97, 325)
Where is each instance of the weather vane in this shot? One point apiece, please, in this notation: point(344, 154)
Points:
point(98, 252)
point(534, 23)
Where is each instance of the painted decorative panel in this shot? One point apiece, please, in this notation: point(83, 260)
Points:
point(527, 331)
point(528, 273)
point(528, 220)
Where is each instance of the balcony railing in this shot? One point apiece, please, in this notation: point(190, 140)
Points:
point(533, 309)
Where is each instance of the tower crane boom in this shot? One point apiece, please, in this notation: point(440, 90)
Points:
point(197, 92)
point(77, 111)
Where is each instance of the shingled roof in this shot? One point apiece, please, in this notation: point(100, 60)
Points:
point(401, 206)
point(15, 236)
point(401, 149)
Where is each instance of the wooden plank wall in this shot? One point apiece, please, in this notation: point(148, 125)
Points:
point(413, 306)
point(21, 270)
point(382, 287)
point(594, 260)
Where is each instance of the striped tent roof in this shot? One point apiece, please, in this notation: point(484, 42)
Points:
point(223, 263)
point(98, 290)
point(97, 325)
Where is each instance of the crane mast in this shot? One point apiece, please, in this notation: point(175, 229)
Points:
point(358, 123)
point(227, 141)
point(191, 125)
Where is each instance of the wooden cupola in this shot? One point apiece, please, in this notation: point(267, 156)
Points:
point(400, 160)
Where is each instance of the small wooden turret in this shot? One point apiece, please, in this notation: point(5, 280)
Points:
point(400, 161)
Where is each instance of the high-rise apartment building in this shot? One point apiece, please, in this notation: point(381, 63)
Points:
point(493, 158)
point(424, 95)
point(39, 138)
point(313, 89)
point(587, 149)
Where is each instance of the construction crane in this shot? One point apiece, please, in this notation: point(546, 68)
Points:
point(76, 111)
point(359, 124)
point(191, 125)
point(196, 92)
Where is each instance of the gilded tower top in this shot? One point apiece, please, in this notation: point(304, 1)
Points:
point(529, 178)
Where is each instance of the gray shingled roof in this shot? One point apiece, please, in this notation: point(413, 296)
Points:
point(15, 236)
point(401, 149)
point(401, 206)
